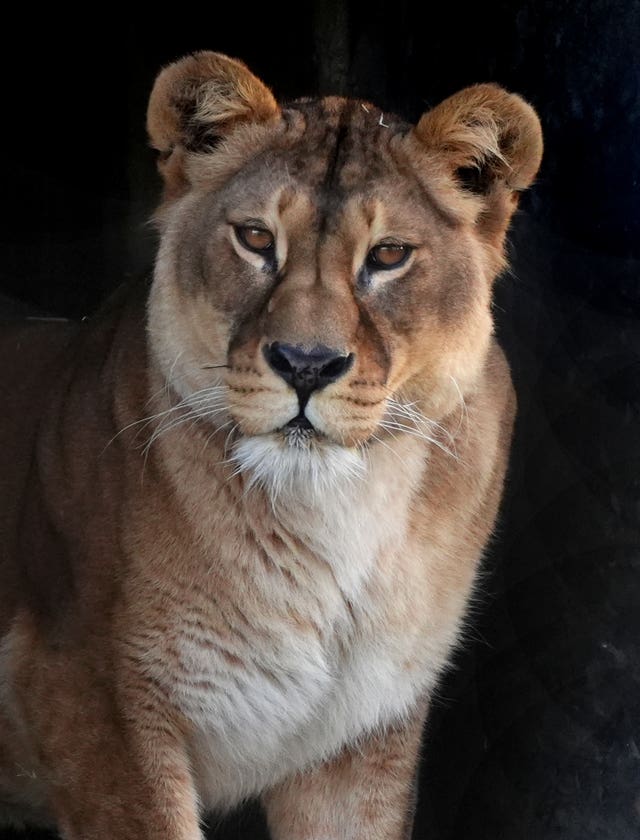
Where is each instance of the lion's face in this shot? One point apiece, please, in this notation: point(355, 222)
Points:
point(323, 267)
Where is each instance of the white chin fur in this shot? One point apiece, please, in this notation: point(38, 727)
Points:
point(309, 471)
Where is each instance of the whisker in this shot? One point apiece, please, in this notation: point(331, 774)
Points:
point(234, 428)
point(391, 449)
point(173, 377)
point(464, 416)
point(410, 412)
point(194, 400)
point(164, 389)
point(190, 415)
point(421, 421)
point(143, 420)
point(388, 425)
point(215, 432)
point(162, 430)
point(403, 427)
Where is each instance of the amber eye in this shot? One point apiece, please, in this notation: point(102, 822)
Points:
point(387, 255)
point(256, 239)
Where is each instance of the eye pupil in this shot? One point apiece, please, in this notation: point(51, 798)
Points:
point(388, 255)
point(256, 239)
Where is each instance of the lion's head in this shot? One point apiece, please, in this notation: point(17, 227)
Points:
point(325, 270)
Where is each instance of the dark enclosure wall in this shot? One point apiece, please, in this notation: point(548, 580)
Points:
point(535, 732)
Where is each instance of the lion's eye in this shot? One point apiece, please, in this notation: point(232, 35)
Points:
point(256, 239)
point(387, 255)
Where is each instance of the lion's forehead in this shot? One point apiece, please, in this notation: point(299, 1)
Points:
point(341, 137)
point(334, 151)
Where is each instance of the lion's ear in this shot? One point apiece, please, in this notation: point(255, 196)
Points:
point(491, 142)
point(195, 102)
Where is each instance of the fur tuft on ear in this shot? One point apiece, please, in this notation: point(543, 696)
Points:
point(486, 135)
point(489, 142)
point(197, 101)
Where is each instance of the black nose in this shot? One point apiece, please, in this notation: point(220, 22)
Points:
point(306, 370)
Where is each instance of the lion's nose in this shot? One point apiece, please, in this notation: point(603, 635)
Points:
point(304, 369)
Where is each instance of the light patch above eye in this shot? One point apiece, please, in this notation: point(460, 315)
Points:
point(384, 241)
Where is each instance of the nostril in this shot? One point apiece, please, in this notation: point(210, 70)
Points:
point(277, 359)
point(336, 367)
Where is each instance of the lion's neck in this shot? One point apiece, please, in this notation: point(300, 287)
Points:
point(341, 506)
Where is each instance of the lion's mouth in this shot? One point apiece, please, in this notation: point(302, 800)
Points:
point(297, 461)
point(299, 431)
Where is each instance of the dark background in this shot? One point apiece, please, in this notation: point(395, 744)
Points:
point(535, 733)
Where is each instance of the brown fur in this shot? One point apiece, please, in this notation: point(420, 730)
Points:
point(178, 628)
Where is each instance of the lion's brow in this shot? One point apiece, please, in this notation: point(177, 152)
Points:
point(330, 191)
point(338, 154)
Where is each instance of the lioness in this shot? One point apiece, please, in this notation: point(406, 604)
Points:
point(243, 508)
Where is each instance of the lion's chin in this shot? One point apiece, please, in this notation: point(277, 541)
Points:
point(299, 463)
point(300, 437)
point(300, 432)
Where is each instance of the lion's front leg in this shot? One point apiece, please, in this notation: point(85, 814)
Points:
point(107, 796)
point(366, 793)
point(118, 783)
point(110, 771)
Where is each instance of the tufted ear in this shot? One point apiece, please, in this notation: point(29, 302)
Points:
point(194, 103)
point(491, 142)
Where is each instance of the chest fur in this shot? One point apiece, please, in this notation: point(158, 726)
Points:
point(303, 636)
